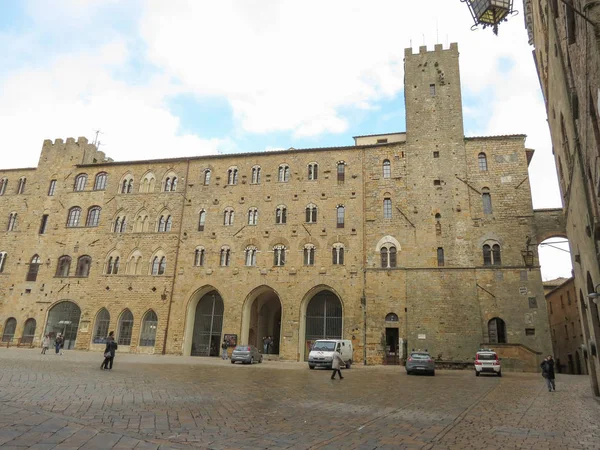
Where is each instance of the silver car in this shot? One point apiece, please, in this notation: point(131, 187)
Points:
point(247, 354)
point(420, 362)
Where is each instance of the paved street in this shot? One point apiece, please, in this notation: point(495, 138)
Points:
point(149, 402)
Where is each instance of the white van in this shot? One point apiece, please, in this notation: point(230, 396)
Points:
point(322, 350)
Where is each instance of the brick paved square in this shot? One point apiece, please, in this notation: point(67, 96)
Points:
point(160, 402)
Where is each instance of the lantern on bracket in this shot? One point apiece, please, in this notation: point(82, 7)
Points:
point(489, 13)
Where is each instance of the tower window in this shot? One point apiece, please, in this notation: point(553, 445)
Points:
point(432, 90)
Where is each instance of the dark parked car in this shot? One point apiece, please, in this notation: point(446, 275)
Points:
point(420, 362)
point(247, 354)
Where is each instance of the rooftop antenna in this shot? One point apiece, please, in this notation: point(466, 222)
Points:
point(96, 141)
point(437, 31)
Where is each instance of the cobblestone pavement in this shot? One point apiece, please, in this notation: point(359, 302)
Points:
point(150, 402)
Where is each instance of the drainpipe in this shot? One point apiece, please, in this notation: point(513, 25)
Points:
point(179, 241)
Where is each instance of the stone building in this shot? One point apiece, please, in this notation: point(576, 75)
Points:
point(565, 326)
point(565, 36)
point(403, 240)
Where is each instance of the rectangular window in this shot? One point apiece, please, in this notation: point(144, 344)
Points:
point(532, 302)
point(440, 256)
point(570, 22)
point(529, 331)
point(436, 154)
point(341, 172)
point(568, 297)
point(432, 90)
point(550, 306)
point(52, 188)
point(382, 141)
point(387, 208)
point(487, 203)
point(437, 182)
point(44, 224)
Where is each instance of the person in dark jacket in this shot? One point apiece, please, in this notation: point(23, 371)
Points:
point(109, 351)
point(59, 342)
point(548, 372)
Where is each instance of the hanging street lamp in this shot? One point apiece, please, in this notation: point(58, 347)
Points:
point(489, 13)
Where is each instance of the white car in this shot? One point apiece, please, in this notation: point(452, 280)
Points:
point(487, 361)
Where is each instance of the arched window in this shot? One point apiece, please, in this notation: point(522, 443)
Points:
point(337, 254)
point(84, 263)
point(387, 168)
point(228, 216)
point(28, 331)
point(64, 266)
point(492, 255)
point(201, 220)
point(279, 255)
point(3, 257)
point(388, 256)
point(256, 175)
point(101, 326)
point(120, 224)
point(232, 176)
point(51, 188)
point(309, 255)
point(3, 184)
point(250, 255)
point(112, 266)
point(148, 332)
point(21, 186)
point(253, 216)
point(148, 183)
point(225, 256)
point(341, 211)
point(74, 217)
point(199, 256)
point(127, 185)
point(313, 171)
point(207, 174)
point(487, 201)
point(387, 208)
point(93, 216)
point(100, 182)
point(391, 317)
point(311, 213)
point(440, 257)
point(80, 182)
point(341, 172)
point(171, 183)
point(34, 267)
point(134, 266)
point(159, 265)
point(284, 173)
point(9, 329)
point(141, 223)
point(497, 331)
point(165, 223)
point(125, 328)
point(281, 214)
point(496, 256)
point(12, 222)
point(482, 162)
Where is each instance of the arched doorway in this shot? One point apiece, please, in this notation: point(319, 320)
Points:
point(262, 319)
point(497, 331)
point(323, 319)
point(208, 324)
point(64, 318)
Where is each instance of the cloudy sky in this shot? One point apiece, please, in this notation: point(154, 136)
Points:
point(184, 78)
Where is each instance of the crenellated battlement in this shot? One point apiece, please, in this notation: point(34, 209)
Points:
point(72, 151)
point(437, 48)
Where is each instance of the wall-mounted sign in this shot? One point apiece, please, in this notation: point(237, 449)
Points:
point(421, 336)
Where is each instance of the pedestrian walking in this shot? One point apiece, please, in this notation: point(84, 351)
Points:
point(109, 352)
point(269, 345)
point(548, 373)
point(45, 344)
point(224, 348)
point(59, 343)
point(265, 345)
point(336, 364)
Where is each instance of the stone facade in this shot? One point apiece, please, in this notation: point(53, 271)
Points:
point(411, 243)
point(565, 327)
point(567, 56)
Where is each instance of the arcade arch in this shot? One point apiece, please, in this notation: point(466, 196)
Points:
point(261, 318)
point(63, 318)
point(204, 323)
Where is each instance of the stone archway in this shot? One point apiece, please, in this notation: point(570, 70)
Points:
point(204, 323)
point(63, 318)
point(321, 317)
point(262, 318)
